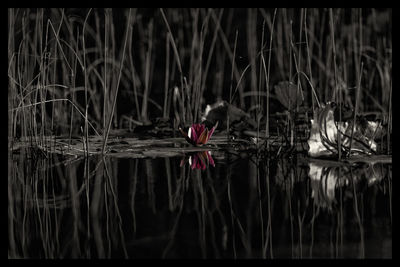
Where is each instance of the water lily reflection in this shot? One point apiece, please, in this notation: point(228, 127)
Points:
point(326, 179)
point(199, 160)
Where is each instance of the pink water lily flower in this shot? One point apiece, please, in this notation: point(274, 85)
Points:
point(198, 134)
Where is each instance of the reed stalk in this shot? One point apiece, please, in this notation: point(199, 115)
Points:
point(230, 88)
point(178, 62)
point(268, 78)
point(357, 103)
point(118, 81)
point(336, 90)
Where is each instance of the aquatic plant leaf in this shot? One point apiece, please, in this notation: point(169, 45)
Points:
point(356, 138)
point(323, 135)
point(219, 112)
point(288, 94)
point(374, 130)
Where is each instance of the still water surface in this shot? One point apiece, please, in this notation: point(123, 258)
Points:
point(242, 207)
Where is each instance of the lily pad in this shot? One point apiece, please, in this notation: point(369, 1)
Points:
point(288, 94)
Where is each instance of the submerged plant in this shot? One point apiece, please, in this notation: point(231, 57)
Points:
point(198, 134)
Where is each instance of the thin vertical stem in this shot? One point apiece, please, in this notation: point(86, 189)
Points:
point(336, 90)
point(258, 115)
point(86, 129)
point(268, 76)
point(119, 78)
point(147, 71)
point(166, 82)
point(230, 88)
point(105, 96)
point(178, 62)
point(308, 57)
point(358, 89)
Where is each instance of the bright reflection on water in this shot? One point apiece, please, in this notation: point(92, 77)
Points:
point(184, 208)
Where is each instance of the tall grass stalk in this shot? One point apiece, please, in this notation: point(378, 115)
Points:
point(336, 90)
point(147, 78)
point(389, 131)
point(211, 50)
point(309, 51)
point(178, 62)
point(225, 44)
point(166, 81)
point(85, 130)
point(259, 90)
point(252, 51)
point(230, 88)
point(268, 77)
point(134, 79)
point(55, 100)
point(117, 87)
point(106, 32)
point(298, 65)
point(357, 103)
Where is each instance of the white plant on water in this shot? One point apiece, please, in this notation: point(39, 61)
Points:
point(323, 139)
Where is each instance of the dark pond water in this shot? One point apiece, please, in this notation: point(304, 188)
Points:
point(242, 207)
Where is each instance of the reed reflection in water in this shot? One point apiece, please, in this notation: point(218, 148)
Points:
point(238, 207)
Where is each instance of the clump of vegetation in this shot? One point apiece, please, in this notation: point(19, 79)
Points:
point(82, 72)
point(357, 137)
